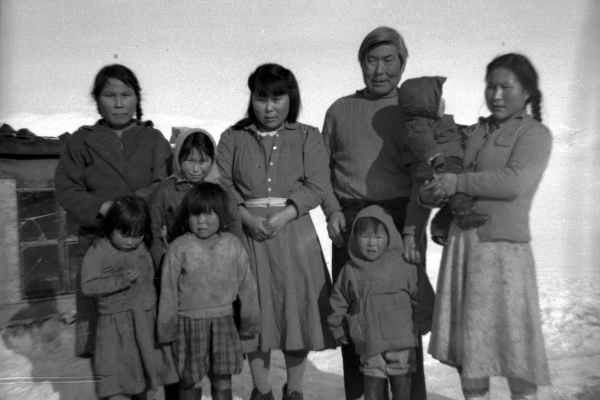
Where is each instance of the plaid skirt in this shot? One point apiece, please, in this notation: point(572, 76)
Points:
point(207, 345)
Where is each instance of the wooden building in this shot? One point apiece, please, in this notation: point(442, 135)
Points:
point(37, 243)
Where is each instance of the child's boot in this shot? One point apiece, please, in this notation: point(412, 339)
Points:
point(463, 207)
point(482, 397)
point(400, 386)
point(171, 391)
point(461, 204)
point(374, 387)
point(440, 226)
point(295, 395)
point(523, 396)
point(477, 394)
point(148, 395)
point(472, 220)
point(256, 395)
point(221, 394)
point(521, 389)
point(190, 394)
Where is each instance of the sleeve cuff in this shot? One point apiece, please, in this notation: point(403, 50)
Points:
point(461, 183)
point(409, 230)
point(296, 201)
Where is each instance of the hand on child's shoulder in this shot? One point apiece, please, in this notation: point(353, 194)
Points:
point(411, 253)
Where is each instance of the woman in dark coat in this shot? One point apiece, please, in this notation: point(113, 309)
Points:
point(116, 156)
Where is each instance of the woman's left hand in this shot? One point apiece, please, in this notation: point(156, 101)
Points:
point(449, 183)
point(278, 220)
point(431, 193)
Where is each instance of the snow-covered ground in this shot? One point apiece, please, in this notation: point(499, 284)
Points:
point(565, 231)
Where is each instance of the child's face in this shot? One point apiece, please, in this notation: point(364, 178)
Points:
point(124, 242)
point(204, 225)
point(371, 244)
point(196, 166)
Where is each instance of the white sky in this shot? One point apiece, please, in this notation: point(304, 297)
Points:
point(193, 57)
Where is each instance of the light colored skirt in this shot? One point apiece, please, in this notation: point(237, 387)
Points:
point(486, 319)
point(293, 286)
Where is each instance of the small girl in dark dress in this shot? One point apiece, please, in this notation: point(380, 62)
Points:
point(118, 270)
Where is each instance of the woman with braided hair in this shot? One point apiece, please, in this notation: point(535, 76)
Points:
point(119, 155)
point(487, 317)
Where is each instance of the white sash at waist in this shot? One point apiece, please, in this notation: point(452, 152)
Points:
point(266, 202)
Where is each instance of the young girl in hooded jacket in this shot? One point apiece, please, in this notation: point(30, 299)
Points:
point(193, 163)
point(372, 305)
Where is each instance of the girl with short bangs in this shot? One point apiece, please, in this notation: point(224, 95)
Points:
point(117, 270)
point(204, 271)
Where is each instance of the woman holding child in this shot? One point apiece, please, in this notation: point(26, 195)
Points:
point(278, 170)
point(487, 318)
point(362, 135)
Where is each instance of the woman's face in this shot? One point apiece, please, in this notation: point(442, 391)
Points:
point(504, 95)
point(117, 104)
point(196, 166)
point(271, 111)
point(382, 70)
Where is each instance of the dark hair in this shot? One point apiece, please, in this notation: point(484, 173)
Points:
point(125, 75)
point(199, 141)
point(272, 80)
point(381, 36)
point(203, 198)
point(525, 73)
point(128, 214)
point(368, 224)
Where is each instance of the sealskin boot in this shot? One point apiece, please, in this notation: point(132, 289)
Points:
point(256, 395)
point(523, 396)
point(295, 395)
point(463, 207)
point(374, 387)
point(221, 394)
point(472, 220)
point(400, 386)
point(190, 394)
point(440, 225)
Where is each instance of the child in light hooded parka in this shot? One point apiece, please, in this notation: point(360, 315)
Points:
point(373, 301)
